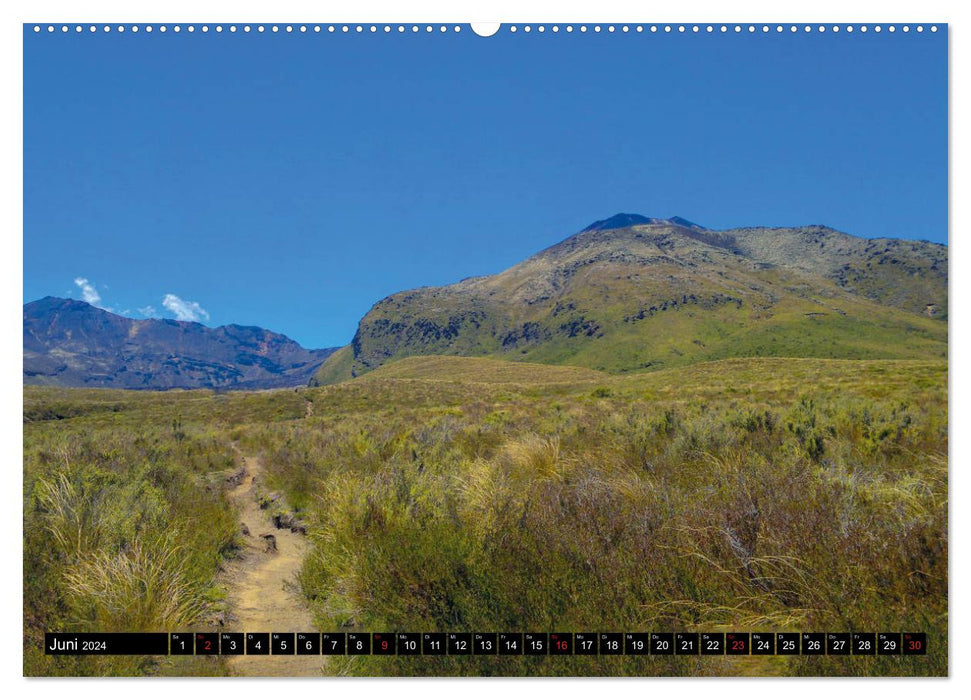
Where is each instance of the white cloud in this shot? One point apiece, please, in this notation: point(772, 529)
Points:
point(184, 310)
point(88, 292)
point(147, 311)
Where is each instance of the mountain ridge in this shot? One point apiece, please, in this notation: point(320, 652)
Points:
point(68, 342)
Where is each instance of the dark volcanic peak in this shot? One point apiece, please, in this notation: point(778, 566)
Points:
point(626, 220)
point(621, 221)
point(71, 343)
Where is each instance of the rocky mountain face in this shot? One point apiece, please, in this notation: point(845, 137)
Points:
point(632, 292)
point(71, 343)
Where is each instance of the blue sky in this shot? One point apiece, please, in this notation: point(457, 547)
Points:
point(291, 181)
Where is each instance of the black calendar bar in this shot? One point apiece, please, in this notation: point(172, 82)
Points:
point(107, 643)
point(470, 644)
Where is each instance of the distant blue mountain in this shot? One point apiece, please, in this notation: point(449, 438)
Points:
point(71, 343)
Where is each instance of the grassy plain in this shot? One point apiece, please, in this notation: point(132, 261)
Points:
point(453, 494)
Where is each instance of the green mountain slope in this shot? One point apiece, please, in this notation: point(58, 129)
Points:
point(632, 293)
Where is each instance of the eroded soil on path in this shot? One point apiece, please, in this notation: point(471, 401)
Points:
point(261, 582)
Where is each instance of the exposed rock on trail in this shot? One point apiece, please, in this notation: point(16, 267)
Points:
point(261, 583)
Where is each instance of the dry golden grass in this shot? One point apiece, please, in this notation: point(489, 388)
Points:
point(761, 494)
point(481, 370)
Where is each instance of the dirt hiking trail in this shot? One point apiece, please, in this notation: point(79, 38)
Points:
point(262, 584)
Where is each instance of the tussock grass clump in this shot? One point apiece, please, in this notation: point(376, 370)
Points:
point(533, 457)
point(143, 588)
